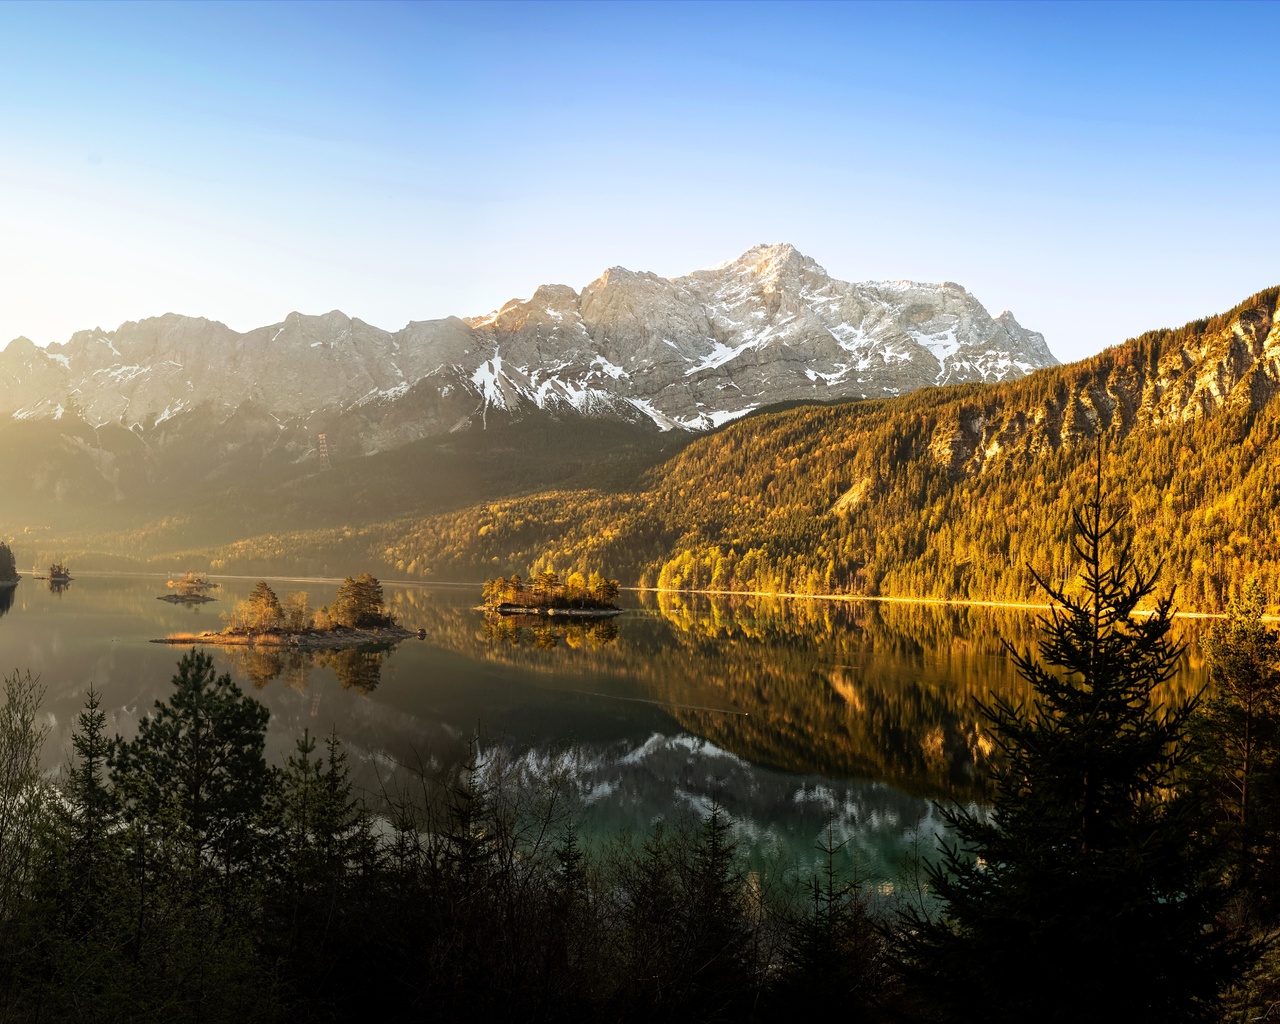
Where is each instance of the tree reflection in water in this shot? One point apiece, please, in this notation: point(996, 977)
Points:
point(843, 689)
point(58, 586)
point(542, 633)
point(6, 599)
point(357, 668)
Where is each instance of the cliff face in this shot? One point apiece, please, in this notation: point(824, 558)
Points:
point(1228, 365)
point(685, 353)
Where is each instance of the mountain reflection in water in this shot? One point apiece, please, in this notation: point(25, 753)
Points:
point(878, 690)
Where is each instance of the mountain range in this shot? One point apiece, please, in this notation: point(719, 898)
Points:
point(686, 353)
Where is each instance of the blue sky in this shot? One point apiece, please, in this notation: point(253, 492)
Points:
point(1098, 169)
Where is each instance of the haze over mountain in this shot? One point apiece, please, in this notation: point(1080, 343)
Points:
point(686, 353)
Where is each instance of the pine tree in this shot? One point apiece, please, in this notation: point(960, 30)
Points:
point(1238, 740)
point(359, 603)
point(833, 960)
point(89, 811)
point(717, 931)
point(1085, 894)
point(196, 772)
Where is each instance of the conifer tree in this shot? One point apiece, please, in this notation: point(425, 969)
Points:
point(359, 603)
point(89, 810)
point(834, 955)
point(196, 772)
point(1238, 739)
point(1085, 895)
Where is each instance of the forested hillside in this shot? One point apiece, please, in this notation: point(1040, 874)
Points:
point(954, 492)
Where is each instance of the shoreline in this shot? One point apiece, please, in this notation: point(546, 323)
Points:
point(964, 602)
point(547, 613)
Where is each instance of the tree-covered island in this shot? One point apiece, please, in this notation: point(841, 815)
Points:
point(545, 593)
point(358, 615)
point(189, 588)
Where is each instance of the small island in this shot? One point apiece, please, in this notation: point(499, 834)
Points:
point(577, 596)
point(357, 616)
point(189, 589)
point(58, 573)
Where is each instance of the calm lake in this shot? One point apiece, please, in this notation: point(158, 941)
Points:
point(799, 716)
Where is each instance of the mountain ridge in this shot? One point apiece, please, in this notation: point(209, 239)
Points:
point(690, 352)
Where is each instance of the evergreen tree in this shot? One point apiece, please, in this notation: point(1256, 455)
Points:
point(1084, 895)
point(264, 611)
point(325, 832)
point(718, 934)
point(359, 603)
point(834, 957)
point(325, 857)
point(89, 810)
point(196, 772)
point(1238, 738)
point(85, 915)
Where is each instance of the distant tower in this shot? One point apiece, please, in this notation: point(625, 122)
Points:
point(324, 450)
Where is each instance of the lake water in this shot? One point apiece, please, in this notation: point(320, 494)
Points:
point(799, 716)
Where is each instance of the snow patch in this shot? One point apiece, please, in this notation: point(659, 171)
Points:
point(943, 345)
point(663, 421)
point(122, 374)
point(616, 372)
point(170, 411)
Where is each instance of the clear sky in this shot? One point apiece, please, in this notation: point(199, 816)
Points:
point(1098, 169)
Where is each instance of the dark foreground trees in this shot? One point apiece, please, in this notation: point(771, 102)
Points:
point(177, 877)
point(1086, 894)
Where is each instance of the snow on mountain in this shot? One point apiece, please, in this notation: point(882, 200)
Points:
point(691, 352)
